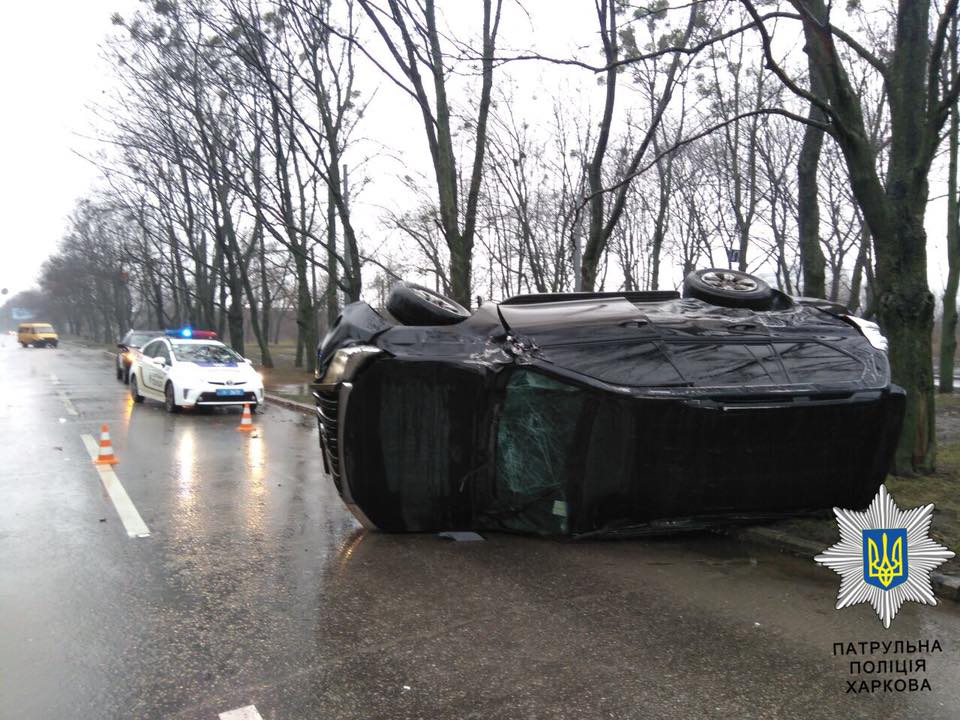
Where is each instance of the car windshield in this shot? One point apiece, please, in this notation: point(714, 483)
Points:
point(42, 329)
point(204, 354)
point(138, 339)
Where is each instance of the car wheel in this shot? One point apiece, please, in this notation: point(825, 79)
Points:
point(417, 305)
point(135, 390)
point(728, 288)
point(169, 400)
point(119, 373)
point(126, 375)
point(253, 408)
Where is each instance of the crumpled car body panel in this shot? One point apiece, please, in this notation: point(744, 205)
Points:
point(606, 416)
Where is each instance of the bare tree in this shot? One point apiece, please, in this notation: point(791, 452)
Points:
point(893, 210)
point(413, 39)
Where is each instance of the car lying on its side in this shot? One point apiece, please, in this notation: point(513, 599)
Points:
point(129, 346)
point(37, 335)
point(617, 413)
point(186, 370)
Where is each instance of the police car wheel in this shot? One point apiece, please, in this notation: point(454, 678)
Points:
point(135, 390)
point(119, 373)
point(169, 401)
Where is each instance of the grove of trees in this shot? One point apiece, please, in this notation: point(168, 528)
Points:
point(249, 168)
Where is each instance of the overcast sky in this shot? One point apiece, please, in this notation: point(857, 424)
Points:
point(49, 70)
point(52, 72)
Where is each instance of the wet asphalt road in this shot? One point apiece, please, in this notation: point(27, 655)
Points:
point(256, 587)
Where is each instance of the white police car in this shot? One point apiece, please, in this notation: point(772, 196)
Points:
point(186, 369)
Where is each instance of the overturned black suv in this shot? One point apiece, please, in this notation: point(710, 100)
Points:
point(604, 413)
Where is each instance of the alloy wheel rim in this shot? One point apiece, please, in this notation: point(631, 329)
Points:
point(439, 301)
point(729, 281)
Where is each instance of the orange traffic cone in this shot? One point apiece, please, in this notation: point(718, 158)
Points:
point(246, 420)
point(106, 456)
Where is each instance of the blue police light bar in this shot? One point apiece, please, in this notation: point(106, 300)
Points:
point(189, 332)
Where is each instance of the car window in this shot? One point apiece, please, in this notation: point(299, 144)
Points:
point(162, 352)
point(43, 328)
point(151, 348)
point(204, 354)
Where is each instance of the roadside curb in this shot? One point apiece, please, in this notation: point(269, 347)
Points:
point(289, 404)
point(944, 586)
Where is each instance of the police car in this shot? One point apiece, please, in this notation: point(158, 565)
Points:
point(189, 368)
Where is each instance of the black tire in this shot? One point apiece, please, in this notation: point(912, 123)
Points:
point(119, 372)
point(728, 288)
point(126, 375)
point(135, 390)
point(23, 345)
point(253, 408)
point(417, 305)
point(169, 399)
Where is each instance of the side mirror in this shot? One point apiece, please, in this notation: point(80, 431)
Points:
point(160, 360)
point(248, 361)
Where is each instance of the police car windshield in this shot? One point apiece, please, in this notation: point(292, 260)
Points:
point(202, 353)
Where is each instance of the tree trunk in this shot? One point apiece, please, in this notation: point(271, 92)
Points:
point(306, 335)
point(895, 212)
point(596, 240)
point(905, 311)
point(812, 262)
point(853, 304)
point(948, 331)
point(333, 281)
point(266, 304)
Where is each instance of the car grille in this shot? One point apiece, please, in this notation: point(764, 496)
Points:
point(327, 414)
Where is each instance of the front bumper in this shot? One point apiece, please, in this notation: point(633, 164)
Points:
point(205, 394)
point(431, 446)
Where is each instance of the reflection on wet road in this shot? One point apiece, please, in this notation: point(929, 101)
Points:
point(257, 588)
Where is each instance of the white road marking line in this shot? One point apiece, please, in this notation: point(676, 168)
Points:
point(71, 410)
point(248, 712)
point(131, 519)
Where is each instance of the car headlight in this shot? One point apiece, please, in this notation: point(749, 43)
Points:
point(871, 331)
point(345, 363)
